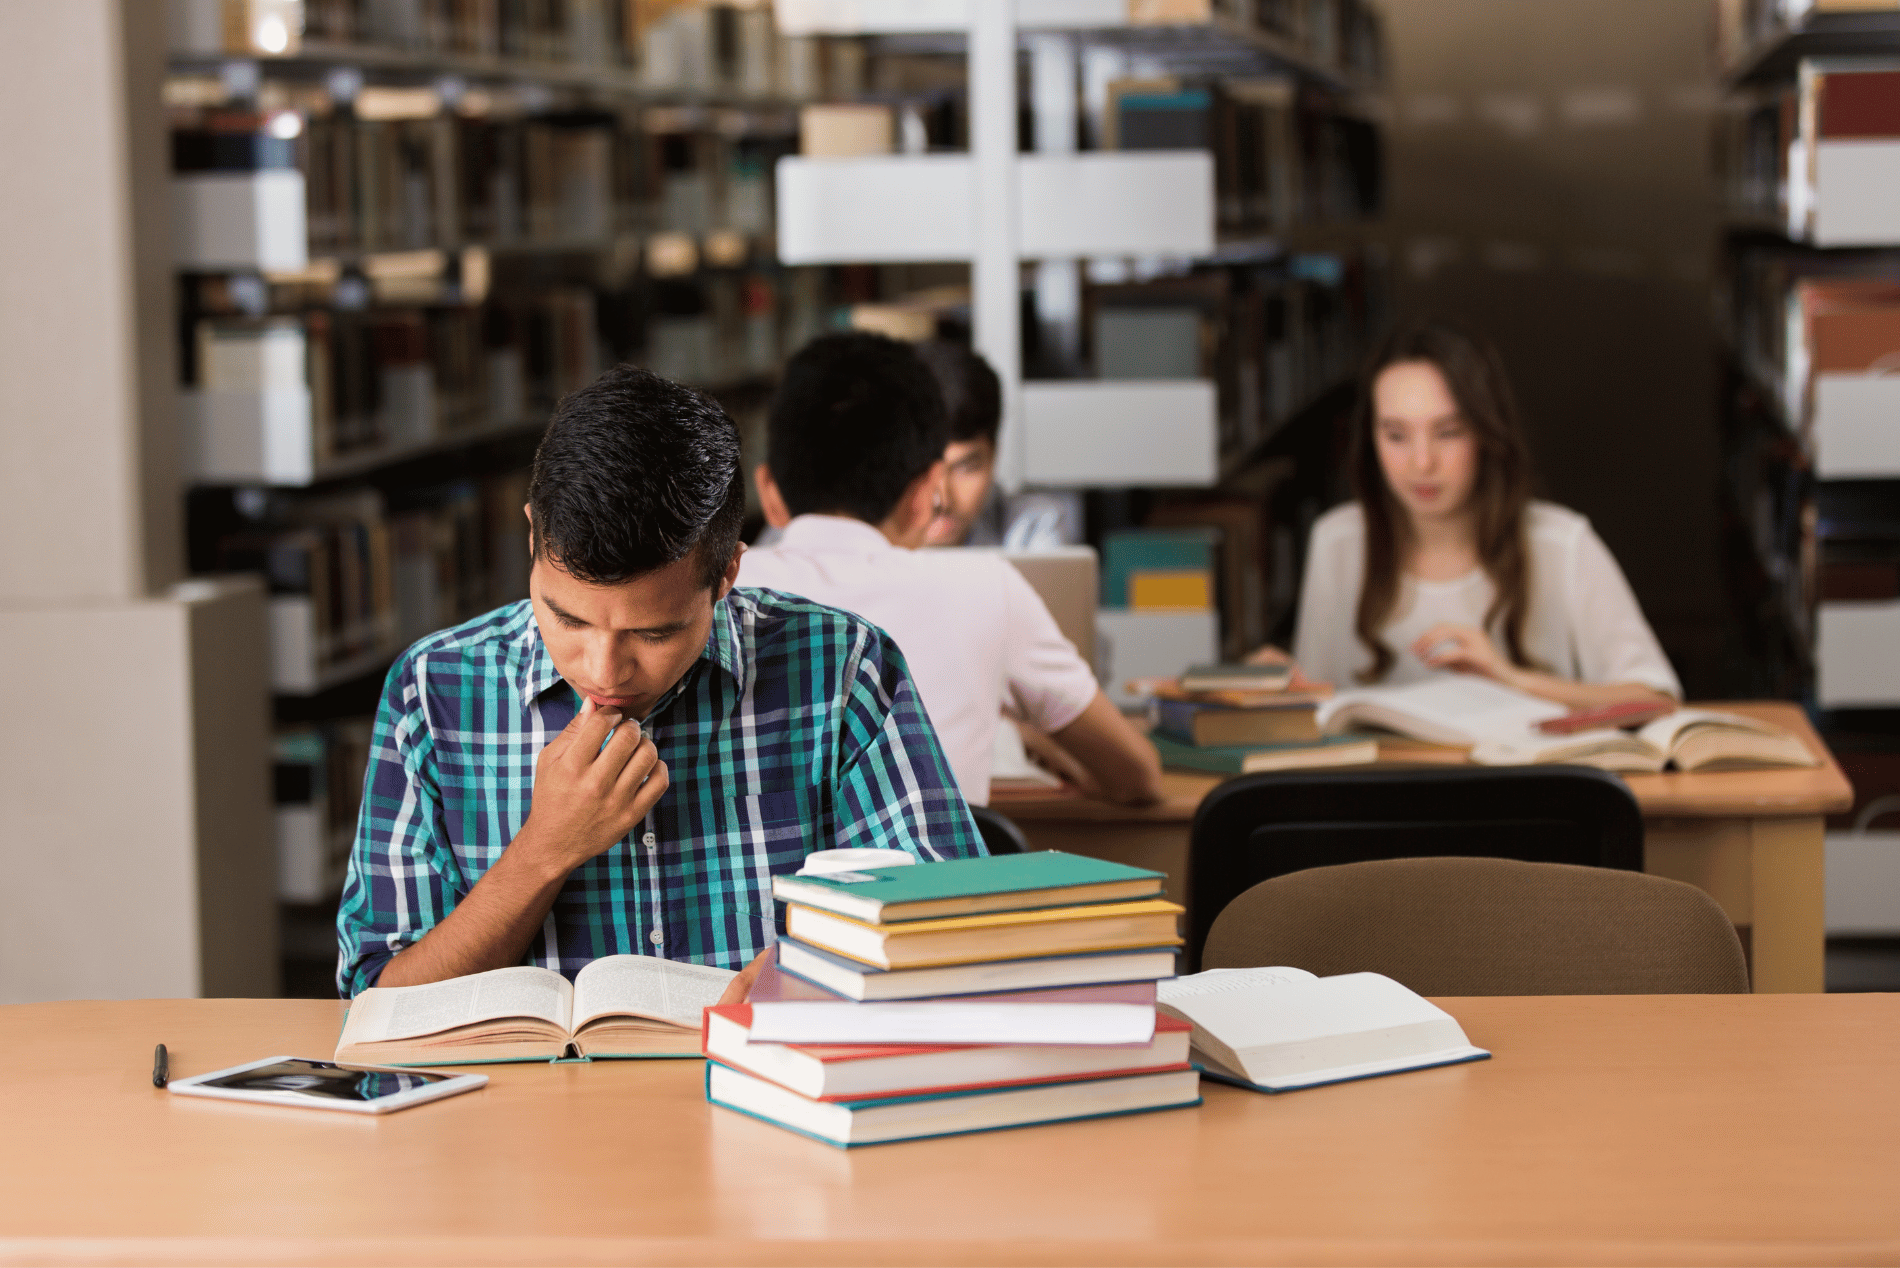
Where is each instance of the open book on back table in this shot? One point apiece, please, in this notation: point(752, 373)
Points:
point(1687, 739)
point(618, 1006)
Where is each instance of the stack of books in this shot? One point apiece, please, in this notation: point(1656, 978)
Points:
point(1240, 719)
point(961, 996)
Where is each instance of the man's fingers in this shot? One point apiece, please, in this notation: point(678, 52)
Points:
point(655, 785)
point(612, 756)
point(584, 744)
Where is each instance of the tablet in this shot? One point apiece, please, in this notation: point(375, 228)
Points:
point(326, 1085)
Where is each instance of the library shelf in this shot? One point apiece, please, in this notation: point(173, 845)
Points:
point(316, 59)
point(1842, 33)
point(1189, 36)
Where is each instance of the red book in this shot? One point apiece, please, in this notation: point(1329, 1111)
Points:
point(844, 1072)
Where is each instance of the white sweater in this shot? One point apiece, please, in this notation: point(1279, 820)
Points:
point(1584, 623)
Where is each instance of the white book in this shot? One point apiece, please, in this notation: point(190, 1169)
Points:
point(1458, 709)
point(1278, 1029)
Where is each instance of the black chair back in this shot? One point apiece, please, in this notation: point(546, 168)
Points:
point(1000, 836)
point(1261, 826)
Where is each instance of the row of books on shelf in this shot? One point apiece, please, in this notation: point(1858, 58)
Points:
point(353, 580)
point(317, 784)
point(680, 45)
point(1345, 35)
point(397, 170)
point(1817, 157)
point(917, 999)
point(1820, 333)
point(284, 398)
point(1856, 530)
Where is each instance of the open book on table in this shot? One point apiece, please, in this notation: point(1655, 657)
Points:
point(1688, 739)
point(1455, 709)
point(1278, 1029)
point(618, 1006)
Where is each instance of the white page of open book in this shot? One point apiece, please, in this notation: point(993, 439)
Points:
point(1279, 1027)
point(405, 1012)
point(1454, 708)
point(1662, 732)
point(647, 986)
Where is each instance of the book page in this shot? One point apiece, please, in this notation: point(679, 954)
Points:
point(1445, 709)
point(404, 1012)
point(647, 986)
point(1217, 981)
point(1664, 731)
point(1604, 747)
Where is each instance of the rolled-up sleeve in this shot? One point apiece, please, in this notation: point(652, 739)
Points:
point(894, 787)
point(403, 876)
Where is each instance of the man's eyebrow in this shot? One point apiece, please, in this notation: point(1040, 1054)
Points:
point(649, 631)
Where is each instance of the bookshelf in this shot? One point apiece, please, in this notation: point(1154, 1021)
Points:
point(1809, 311)
point(1168, 258)
point(403, 231)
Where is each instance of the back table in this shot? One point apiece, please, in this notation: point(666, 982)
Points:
point(1752, 839)
point(1637, 1129)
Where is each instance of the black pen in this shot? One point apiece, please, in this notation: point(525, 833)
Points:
point(161, 1067)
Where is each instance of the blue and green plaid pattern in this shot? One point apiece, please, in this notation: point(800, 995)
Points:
point(798, 729)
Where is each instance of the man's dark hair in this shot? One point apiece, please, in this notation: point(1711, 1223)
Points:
point(634, 473)
point(857, 420)
point(972, 394)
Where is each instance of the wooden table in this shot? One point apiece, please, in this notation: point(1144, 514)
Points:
point(1625, 1129)
point(1752, 839)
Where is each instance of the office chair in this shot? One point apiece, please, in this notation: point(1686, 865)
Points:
point(1000, 836)
point(1260, 826)
point(1457, 926)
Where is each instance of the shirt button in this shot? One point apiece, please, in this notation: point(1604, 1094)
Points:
point(650, 840)
point(656, 937)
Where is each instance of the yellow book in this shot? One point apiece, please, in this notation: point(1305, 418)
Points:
point(1170, 588)
point(1003, 935)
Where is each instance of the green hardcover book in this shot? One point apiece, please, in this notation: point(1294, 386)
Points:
point(1238, 759)
point(968, 887)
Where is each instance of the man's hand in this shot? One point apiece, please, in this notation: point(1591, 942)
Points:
point(590, 789)
point(739, 987)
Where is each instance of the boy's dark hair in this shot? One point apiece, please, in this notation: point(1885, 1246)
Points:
point(857, 420)
point(634, 473)
point(972, 394)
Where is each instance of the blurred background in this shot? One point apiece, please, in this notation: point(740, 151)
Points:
point(293, 285)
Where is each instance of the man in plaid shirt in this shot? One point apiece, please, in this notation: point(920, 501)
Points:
point(623, 761)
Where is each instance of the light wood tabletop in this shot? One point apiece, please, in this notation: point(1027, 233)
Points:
point(1698, 794)
point(1634, 1129)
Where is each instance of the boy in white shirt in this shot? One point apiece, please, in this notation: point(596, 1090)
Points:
point(854, 476)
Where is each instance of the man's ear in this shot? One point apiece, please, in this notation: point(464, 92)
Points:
point(910, 519)
point(527, 509)
point(771, 501)
point(731, 579)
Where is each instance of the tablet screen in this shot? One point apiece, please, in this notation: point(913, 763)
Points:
point(323, 1080)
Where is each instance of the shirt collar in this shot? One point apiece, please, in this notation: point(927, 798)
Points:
point(723, 648)
point(833, 533)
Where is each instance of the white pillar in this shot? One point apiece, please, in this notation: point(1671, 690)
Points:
point(995, 274)
point(1053, 91)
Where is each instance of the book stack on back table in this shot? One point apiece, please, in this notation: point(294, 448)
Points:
point(960, 996)
point(1240, 719)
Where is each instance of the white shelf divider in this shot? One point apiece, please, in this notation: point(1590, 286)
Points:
point(1088, 432)
point(1857, 426)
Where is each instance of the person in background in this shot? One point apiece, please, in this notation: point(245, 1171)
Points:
point(854, 473)
point(620, 763)
point(1445, 562)
point(972, 513)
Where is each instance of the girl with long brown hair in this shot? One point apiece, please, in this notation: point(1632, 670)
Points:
point(1446, 563)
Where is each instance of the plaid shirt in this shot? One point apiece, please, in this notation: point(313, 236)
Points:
point(797, 729)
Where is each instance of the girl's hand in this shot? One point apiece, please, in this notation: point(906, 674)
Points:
point(1463, 649)
point(1266, 655)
